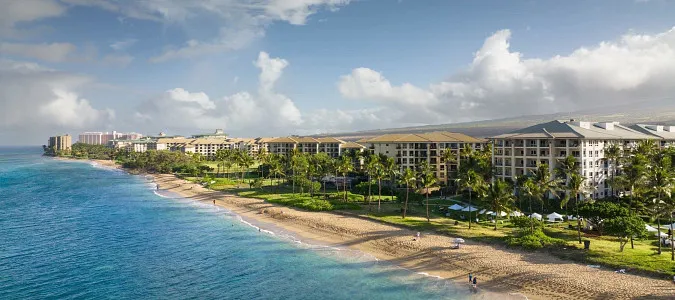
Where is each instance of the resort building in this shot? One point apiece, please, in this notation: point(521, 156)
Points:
point(218, 134)
point(102, 138)
point(410, 149)
point(261, 143)
point(665, 133)
point(136, 145)
point(331, 146)
point(518, 153)
point(60, 143)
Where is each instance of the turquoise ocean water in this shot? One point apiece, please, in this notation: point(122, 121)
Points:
point(73, 230)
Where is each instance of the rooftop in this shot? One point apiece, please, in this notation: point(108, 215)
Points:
point(437, 136)
point(577, 129)
point(666, 132)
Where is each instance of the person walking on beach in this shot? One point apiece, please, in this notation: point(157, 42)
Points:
point(474, 283)
point(470, 278)
point(214, 201)
point(418, 235)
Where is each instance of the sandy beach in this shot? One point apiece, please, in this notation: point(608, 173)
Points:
point(500, 270)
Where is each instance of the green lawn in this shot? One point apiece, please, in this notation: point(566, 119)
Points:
point(604, 250)
point(303, 201)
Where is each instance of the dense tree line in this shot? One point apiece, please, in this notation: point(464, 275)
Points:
point(641, 187)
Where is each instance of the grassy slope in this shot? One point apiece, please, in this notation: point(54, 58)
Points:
point(604, 250)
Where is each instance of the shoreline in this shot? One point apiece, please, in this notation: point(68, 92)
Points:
point(500, 271)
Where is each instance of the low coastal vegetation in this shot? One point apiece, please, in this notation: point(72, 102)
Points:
point(493, 211)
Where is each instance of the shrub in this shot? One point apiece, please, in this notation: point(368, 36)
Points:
point(527, 224)
point(536, 240)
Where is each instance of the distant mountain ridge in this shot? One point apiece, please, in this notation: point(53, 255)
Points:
point(658, 112)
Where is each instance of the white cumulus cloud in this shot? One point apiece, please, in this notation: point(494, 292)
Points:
point(501, 83)
point(262, 111)
point(36, 102)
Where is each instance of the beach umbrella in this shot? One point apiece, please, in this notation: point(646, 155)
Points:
point(536, 216)
point(456, 207)
point(469, 208)
point(650, 229)
point(492, 213)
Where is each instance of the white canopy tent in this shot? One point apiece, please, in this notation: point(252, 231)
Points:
point(482, 211)
point(663, 234)
point(536, 216)
point(554, 217)
point(650, 229)
point(571, 217)
point(470, 208)
point(501, 214)
point(456, 207)
point(515, 213)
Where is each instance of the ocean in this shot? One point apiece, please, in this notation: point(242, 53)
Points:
point(74, 230)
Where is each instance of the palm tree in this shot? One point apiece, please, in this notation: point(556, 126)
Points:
point(407, 178)
point(244, 161)
point(612, 155)
point(448, 157)
point(391, 169)
point(263, 157)
point(660, 180)
point(428, 180)
point(525, 187)
point(501, 198)
point(276, 170)
point(574, 186)
point(323, 167)
point(566, 168)
point(670, 210)
point(295, 153)
point(345, 166)
point(545, 183)
point(227, 164)
point(379, 174)
point(634, 175)
point(372, 164)
point(470, 180)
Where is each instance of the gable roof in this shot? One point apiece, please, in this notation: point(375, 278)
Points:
point(352, 145)
point(329, 140)
point(576, 129)
point(428, 137)
point(666, 132)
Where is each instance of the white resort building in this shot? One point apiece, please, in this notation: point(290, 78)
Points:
point(518, 153)
point(332, 146)
point(410, 150)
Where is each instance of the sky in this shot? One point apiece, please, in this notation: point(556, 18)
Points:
point(281, 67)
